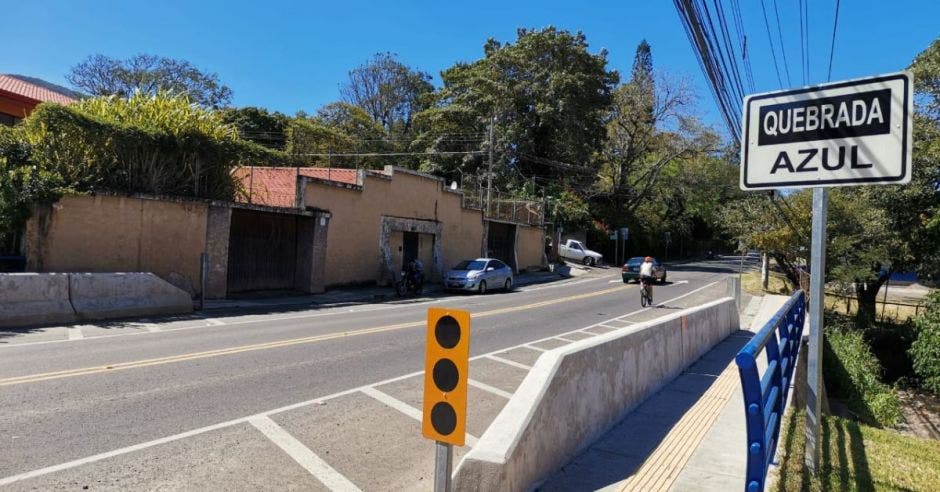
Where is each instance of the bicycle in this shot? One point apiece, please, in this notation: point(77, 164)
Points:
point(646, 292)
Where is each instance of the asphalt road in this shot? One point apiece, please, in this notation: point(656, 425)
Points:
point(302, 399)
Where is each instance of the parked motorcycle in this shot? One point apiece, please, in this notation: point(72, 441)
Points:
point(412, 283)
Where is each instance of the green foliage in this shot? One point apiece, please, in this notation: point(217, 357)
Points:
point(144, 144)
point(549, 96)
point(925, 351)
point(852, 372)
point(258, 125)
point(389, 92)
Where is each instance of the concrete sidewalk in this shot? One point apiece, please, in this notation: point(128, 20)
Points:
point(362, 295)
point(689, 436)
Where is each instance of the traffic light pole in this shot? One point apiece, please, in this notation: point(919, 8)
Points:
point(442, 465)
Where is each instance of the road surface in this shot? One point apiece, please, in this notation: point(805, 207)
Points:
point(300, 399)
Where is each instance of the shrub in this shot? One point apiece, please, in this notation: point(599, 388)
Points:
point(925, 351)
point(853, 373)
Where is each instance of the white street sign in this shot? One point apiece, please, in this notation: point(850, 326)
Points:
point(840, 134)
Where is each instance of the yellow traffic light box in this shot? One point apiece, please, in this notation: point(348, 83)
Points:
point(446, 366)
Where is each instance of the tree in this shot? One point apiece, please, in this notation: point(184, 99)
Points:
point(547, 97)
point(258, 125)
point(390, 92)
point(101, 75)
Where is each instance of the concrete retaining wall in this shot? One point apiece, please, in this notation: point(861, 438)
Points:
point(120, 295)
point(575, 393)
point(34, 298)
point(28, 299)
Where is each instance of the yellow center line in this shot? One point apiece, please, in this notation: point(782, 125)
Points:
point(34, 378)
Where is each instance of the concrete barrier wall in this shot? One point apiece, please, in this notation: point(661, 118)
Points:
point(34, 298)
point(575, 393)
point(119, 295)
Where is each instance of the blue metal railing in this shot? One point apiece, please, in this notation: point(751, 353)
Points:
point(765, 395)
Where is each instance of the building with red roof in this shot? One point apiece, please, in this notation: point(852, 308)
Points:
point(19, 95)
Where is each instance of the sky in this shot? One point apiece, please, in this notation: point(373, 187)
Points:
point(290, 56)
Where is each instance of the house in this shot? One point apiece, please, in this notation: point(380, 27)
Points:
point(19, 95)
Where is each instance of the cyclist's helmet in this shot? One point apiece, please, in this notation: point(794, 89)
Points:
point(648, 258)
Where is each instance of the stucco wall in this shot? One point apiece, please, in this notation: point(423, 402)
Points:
point(119, 234)
point(530, 248)
point(354, 243)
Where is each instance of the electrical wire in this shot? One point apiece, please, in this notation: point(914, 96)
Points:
point(832, 46)
point(773, 52)
point(783, 50)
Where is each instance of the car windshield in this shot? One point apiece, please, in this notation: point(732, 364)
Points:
point(471, 265)
point(635, 261)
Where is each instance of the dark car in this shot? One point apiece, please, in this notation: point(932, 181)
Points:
point(631, 270)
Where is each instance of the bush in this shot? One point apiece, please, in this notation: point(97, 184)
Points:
point(853, 374)
point(925, 351)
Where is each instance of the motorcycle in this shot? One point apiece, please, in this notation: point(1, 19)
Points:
point(409, 284)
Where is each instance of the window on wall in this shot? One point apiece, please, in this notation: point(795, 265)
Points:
point(8, 120)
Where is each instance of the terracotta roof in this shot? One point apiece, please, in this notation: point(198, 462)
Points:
point(36, 89)
point(277, 186)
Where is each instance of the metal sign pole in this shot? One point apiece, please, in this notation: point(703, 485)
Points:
point(815, 354)
point(442, 465)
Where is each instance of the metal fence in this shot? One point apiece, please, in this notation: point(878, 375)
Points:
point(765, 394)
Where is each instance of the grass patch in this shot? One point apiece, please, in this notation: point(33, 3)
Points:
point(776, 284)
point(854, 456)
point(889, 312)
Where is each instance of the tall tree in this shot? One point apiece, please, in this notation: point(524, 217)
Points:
point(389, 91)
point(101, 75)
point(258, 125)
point(548, 96)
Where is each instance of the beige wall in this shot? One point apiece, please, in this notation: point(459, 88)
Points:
point(530, 247)
point(119, 234)
point(354, 243)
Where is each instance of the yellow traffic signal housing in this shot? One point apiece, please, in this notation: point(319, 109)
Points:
point(446, 365)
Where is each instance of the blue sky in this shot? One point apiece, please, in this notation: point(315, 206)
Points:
point(290, 56)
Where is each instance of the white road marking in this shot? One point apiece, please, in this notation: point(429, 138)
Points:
point(489, 389)
point(304, 457)
point(566, 339)
point(471, 440)
point(530, 346)
point(680, 282)
point(393, 402)
point(75, 333)
point(214, 322)
point(605, 325)
point(508, 362)
point(406, 409)
point(152, 328)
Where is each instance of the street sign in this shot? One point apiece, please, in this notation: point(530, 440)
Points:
point(838, 134)
point(445, 375)
point(624, 233)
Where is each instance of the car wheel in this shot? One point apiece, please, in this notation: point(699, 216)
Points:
point(663, 280)
point(482, 287)
point(508, 285)
point(586, 260)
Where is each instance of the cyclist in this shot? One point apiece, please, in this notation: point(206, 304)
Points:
point(646, 276)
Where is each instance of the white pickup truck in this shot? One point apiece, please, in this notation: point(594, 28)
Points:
point(574, 250)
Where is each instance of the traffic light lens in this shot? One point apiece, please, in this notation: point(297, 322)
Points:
point(443, 418)
point(447, 332)
point(446, 375)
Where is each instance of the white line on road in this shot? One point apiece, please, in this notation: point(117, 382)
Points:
point(306, 458)
point(567, 339)
point(530, 346)
point(405, 408)
point(75, 333)
point(471, 440)
point(214, 322)
point(152, 328)
point(489, 389)
point(509, 362)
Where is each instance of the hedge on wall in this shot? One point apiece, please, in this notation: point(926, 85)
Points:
point(160, 145)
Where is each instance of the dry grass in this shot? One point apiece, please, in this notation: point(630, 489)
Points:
point(776, 284)
point(892, 312)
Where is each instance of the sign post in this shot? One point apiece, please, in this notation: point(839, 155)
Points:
point(446, 363)
point(850, 133)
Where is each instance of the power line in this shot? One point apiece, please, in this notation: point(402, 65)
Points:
point(832, 46)
point(786, 64)
point(802, 44)
point(809, 76)
point(771, 40)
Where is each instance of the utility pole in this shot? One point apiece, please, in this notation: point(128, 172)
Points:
point(489, 174)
